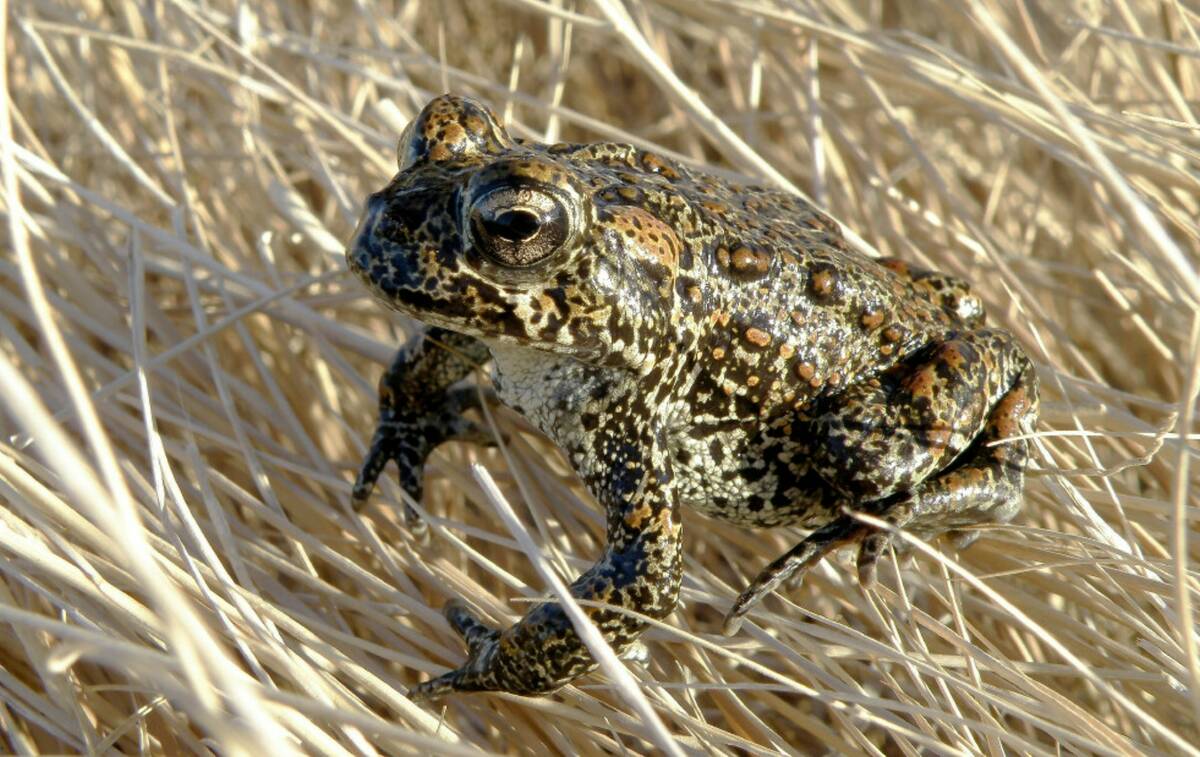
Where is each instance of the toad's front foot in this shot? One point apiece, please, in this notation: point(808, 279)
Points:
point(476, 674)
point(538, 655)
point(408, 437)
point(418, 410)
point(395, 439)
point(497, 661)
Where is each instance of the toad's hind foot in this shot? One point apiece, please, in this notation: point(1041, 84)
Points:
point(481, 640)
point(799, 559)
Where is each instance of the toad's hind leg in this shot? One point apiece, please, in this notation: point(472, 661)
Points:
point(981, 484)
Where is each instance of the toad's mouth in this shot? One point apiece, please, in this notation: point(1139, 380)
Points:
point(495, 322)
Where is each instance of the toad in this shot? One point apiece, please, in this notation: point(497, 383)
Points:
point(686, 341)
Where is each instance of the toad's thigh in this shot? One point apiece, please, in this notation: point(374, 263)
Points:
point(885, 435)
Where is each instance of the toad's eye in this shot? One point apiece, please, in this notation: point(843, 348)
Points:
point(517, 226)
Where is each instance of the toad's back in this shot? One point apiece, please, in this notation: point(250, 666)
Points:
point(780, 309)
point(791, 313)
point(784, 314)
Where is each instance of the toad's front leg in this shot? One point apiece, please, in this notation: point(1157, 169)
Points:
point(418, 410)
point(639, 571)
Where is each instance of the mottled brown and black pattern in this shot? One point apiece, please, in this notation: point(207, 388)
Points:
point(686, 341)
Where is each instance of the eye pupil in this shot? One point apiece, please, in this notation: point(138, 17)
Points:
point(513, 226)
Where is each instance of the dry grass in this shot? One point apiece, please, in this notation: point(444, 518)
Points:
point(187, 375)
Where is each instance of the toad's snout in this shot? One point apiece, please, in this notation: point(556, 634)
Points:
point(362, 249)
point(382, 253)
